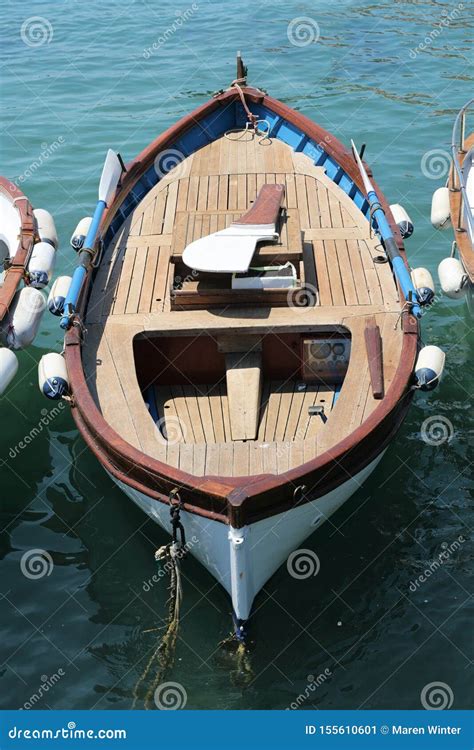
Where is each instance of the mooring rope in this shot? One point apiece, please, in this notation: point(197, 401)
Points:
point(163, 655)
point(253, 120)
point(242, 673)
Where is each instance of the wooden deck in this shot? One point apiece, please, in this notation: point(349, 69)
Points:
point(324, 234)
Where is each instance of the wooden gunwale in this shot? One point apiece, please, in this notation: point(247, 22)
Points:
point(461, 236)
point(240, 500)
point(26, 237)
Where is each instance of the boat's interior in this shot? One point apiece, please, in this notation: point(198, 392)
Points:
point(217, 380)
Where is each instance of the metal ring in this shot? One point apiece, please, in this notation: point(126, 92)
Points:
point(299, 493)
point(174, 496)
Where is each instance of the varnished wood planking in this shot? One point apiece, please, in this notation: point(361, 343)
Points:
point(135, 276)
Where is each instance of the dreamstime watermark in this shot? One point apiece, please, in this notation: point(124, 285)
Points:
point(313, 684)
point(168, 566)
point(170, 696)
point(302, 31)
point(47, 417)
point(47, 683)
point(167, 160)
point(36, 563)
point(170, 430)
point(47, 150)
point(437, 563)
point(179, 281)
point(71, 732)
point(437, 430)
point(443, 23)
point(302, 299)
point(435, 164)
point(437, 696)
point(303, 563)
point(181, 18)
point(36, 31)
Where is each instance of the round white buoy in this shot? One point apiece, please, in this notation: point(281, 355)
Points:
point(440, 211)
point(424, 285)
point(53, 379)
point(8, 368)
point(58, 294)
point(402, 220)
point(22, 321)
point(46, 227)
point(453, 278)
point(429, 367)
point(41, 264)
point(80, 233)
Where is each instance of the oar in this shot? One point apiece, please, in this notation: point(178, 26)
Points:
point(108, 183)
point(399, 268)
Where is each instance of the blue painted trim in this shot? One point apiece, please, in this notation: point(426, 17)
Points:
point(337, 391)
point(80, 272)
point(230, 117)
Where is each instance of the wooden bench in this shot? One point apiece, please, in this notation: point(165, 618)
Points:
point(191, 226)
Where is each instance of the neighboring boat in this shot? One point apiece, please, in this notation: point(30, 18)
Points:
point(28, 243)
point(454, 205)
point(252, 396)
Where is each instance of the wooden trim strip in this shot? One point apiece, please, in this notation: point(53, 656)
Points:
point(373, 345)
point(26, 239)
point(243, 499)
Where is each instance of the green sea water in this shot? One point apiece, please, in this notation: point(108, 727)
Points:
point(78, 78)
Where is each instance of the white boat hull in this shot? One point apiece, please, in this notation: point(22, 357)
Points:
point(242, 560)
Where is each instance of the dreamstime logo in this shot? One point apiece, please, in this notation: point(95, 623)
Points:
point(47, 417)
point(47, 683)
point(436, 696)
point(170, 696)
point(437, 430)
point(36, 31)
point(443, 23)
point(435, 164)
point(303, 299)
point(302, 31)
point(313, 682)
point(168, 567)
point(167, 160)
point(47, 150)
point(181, 17)
point(438, 562)
point(303, 563)
point(170, 430)
point(36, 563)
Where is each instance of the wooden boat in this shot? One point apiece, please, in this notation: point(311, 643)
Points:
point(454, 205)
point(253, 413)
point(26, 251)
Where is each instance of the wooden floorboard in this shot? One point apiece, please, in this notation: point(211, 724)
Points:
point(131, 294)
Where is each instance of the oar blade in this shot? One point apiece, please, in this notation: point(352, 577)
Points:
point(365, 179)
point(110, 176)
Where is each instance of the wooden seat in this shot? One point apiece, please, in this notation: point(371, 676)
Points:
point(192, 226)
point(322, 233)
point(244, 387)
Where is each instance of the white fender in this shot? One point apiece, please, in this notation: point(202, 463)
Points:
point(58, 294)
point(424, 285)
point(429, 367)
point(46, 227)
point(440, 211)
point(80, 233)
point(41, 264)
point(21, 324)
point(402, 219)
point(453, 278)
point(8, 368)
point(53, 379)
